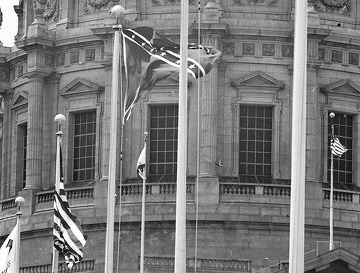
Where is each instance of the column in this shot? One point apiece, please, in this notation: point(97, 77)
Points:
point(34, 133)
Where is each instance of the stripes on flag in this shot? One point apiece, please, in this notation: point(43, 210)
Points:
point(68, 236)
point(336, 147)
point(140, 168)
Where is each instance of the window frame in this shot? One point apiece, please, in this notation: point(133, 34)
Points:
point(252, 98)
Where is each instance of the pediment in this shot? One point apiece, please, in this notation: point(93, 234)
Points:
point(258, 80)
point(80, 86)
point(20, 99)
point(170, 82)
point(342, 87)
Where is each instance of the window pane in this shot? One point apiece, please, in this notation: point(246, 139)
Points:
point(84, 146)
point(255, 142)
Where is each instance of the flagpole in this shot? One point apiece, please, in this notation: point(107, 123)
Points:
point(59, 120)
point(180, 225)
point(19, 201)
point(331, 243)
point(297, 206)
point(142, 248)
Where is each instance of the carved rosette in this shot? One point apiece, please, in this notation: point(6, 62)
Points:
point(342, 7)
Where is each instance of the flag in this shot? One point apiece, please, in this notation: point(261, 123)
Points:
point(158, 57)
point(336, 147)
point(8, 250)
point(140, 168)
point(68, 236)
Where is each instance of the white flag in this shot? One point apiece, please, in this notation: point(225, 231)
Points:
point(8, 250)
point(140, 167)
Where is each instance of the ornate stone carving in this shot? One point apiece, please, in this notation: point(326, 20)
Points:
point(228, 48)
point(321, 54)
point(287, 51)
point(74, 57)
point(336, 56)
point(39, 8)
point(168, 2)
point(51, 13)
point(248, 49)
point(256, 2)
point(268, 49)
point(91, 6)
point(342, 7)
point(353, 58)
point(60, 59)
point(49, 60)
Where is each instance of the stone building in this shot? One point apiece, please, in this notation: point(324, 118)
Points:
point(239, 126)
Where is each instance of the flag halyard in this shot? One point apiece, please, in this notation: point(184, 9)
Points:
point(68, 236)
point(336, 147)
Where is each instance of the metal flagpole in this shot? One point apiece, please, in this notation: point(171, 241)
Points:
point(117, 11)
point(59, 119)
point(19, 201)
point(180, 226)
point(331, 243)
point(142, 248)
point(297, 207)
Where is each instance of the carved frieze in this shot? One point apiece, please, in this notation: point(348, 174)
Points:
point(91, 6)
point(256, 2)
point(287, 51)
point(353, 58)
point(342, 7)
point(268, 50)
point(169, 2)
point(228, 48)
point(248, 49)
point(336, 56)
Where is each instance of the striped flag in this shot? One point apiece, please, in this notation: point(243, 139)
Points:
point(336, 147)
point(68, 236)
point(7, 251)
point(140, 168)
point(158, 58)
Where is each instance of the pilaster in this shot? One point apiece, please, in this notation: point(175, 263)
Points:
point(34, 132)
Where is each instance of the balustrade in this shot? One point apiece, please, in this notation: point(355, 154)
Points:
point(83, 266)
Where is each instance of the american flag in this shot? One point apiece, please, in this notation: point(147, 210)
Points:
point(336, 147)
point(68, 236)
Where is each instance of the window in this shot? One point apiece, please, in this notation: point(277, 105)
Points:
point(343, 130)
point(21, 158)
point(84, 146)
point(255, 144)
point(163, 143)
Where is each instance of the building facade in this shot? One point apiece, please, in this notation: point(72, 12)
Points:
point(239, 133)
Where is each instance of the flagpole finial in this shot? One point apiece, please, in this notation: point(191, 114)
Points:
point(60, 119)
point(19, 201)
point(332, 115)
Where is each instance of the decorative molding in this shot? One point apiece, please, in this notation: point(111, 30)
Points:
point(258, 79)
point(169, 2)
point(256, 2)
point(91, 6)
point(80, 86)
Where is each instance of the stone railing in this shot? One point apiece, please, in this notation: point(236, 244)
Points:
point(83, 266)
point(166, 264)
point(155, 192)
point(262, 193)
point(343, 199)
point(8, 204)
point(82, 196)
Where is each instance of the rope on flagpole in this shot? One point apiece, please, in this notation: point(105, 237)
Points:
point(198, 145)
